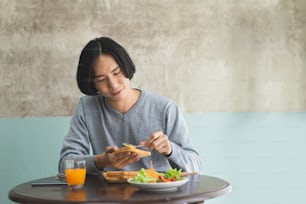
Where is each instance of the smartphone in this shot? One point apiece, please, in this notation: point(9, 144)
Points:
point(50, 181)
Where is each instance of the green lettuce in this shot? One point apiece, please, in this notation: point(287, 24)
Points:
point(143, 177)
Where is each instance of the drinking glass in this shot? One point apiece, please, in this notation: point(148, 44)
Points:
point(75, 171)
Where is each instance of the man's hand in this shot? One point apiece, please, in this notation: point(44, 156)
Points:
point(120, 160)
point(159, 142)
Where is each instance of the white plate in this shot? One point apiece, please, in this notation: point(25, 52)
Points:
point(159, 187)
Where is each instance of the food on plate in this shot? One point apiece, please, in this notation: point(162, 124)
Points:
point(151, 176)
point(132, 148)
point(146, 175)
point(118, 176)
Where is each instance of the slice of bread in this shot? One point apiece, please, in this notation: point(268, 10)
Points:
point(141, 153)
point(118, 176)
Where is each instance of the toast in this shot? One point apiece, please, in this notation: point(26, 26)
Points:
point(118, 176)
point(141, 153)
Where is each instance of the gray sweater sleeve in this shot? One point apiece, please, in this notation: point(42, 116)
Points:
point(184, 155)
point(76, 144)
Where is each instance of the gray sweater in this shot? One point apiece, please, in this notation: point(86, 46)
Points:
point(95, 125)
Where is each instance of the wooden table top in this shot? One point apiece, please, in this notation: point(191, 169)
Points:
point(97, 190)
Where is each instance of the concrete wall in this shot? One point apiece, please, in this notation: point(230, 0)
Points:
point(230, 55)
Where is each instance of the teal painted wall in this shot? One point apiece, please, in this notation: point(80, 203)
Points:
point(262, 155)
point(29, 149)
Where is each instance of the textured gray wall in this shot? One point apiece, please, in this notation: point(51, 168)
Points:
point(230, 55)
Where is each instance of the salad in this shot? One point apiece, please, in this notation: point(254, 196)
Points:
point(152, 176)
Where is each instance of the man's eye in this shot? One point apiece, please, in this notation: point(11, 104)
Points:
point(99, 80)
point(117, 72)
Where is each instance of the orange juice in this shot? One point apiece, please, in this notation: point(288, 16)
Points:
point(75, 176)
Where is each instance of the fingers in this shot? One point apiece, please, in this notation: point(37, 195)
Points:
point(159, 142)
point(122, 159)
point(110, 149)
point(117, 160)
point(128, 159)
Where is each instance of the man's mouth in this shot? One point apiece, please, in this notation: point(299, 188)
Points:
point(116, 93)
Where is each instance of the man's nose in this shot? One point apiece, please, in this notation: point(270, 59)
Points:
point(112, 83)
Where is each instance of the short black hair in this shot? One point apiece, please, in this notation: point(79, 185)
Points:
point(91, 52)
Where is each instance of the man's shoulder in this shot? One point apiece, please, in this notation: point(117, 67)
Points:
point(90, 100)
point(156, 97)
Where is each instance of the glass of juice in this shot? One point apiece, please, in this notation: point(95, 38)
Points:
point(75, 171)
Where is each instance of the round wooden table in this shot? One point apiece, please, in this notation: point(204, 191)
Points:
point(96, 190)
